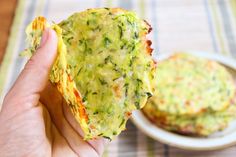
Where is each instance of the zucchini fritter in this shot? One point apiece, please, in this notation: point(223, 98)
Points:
point(104, 68)
point(193, 96)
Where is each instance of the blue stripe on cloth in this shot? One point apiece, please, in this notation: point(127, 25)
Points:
point(127, 143)
point(98, 3)
point(210, 23)
point(166, 150)
point(126, 4)
point(227, 27)
point(154, 26)
point(46, 8)
point(19, 61)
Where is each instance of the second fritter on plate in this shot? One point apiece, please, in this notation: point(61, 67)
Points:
point(104, 68)
point(193, 96)
point(201, 125)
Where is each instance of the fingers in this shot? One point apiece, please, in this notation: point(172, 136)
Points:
point(60, 147)
point(34, 76)
point(51, 98)
point(76, 142)
point(23, 133)
point(97, 144)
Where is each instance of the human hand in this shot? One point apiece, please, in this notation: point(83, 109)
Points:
point(34, 129)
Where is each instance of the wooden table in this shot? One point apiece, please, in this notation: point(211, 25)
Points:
point(7, 10)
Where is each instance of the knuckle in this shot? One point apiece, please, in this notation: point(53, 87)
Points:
point(36, 66)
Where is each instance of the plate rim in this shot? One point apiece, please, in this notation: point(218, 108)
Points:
point(222, 59)
point(181, 146)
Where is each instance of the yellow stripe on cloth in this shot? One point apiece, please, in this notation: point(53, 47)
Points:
point(14, 33)
point(233, 7)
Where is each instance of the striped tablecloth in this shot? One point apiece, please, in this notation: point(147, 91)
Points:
point(178, 25)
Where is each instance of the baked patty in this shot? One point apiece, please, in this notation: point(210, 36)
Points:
point(199, 125)
point(193, 96)
point(189, 85)
point(104, 68)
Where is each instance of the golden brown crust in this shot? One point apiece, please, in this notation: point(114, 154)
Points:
point(39, 23)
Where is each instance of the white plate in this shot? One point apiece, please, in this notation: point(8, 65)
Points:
point(217, 140)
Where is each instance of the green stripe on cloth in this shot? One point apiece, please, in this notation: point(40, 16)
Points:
point(105, 153)
point(109, 3)
point(233, 7)
point(211, 27)
point(142, 8)
point(11, 44)
point(150, 147)
point(18, 63)
point(218, 29)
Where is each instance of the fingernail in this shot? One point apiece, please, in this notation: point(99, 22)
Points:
point(44, 37)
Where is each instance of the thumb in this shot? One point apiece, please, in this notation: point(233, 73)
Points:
point(34, 76)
